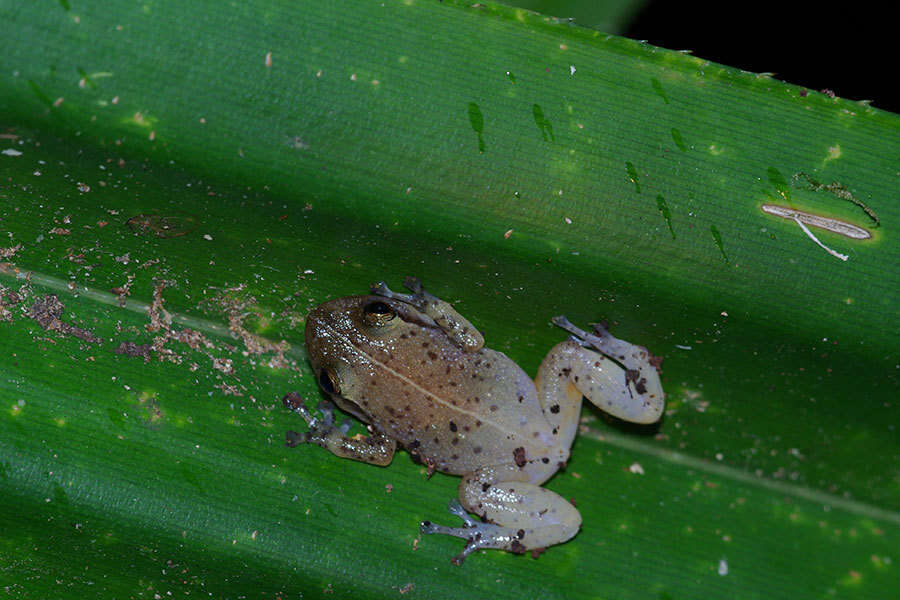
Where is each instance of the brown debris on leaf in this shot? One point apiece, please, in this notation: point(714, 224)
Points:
point(7, 253)
point(163, 226)
point(8, 299)
point(46, 310)
point(135, 350)
point(123, 291)
point(235, 306)
point(161, 322)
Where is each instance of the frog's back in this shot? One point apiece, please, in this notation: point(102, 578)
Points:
point(464, 410)
point(453, 409)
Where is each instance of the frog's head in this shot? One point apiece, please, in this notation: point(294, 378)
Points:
point(347, 337)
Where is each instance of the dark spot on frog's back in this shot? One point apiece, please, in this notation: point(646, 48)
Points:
point(519, 456)
point(432, 355)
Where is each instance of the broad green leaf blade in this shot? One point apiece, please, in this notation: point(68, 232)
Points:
point(244, 164)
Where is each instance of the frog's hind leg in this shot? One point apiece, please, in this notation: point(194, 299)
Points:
point(558, 395)
point(520, 516)
point(633, 393)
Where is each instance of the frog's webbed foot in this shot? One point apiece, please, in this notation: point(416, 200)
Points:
point(633, 393)
point(457, 327)
point(477, 535)
point(519, 516)
point(319, 429)
point(376, 449)
point(417, 298)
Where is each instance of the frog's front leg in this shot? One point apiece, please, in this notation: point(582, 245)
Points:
point(519, 515)
point(457, 327)
point(376, 449)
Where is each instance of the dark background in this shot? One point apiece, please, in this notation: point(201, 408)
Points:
point(851, 49)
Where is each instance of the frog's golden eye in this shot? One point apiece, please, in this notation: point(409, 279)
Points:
point(378, 313)
point(329, 381)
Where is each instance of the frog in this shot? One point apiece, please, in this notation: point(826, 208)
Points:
point(418, 374)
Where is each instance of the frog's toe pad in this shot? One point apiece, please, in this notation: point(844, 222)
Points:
point(294, 401)
point(380, 289)
point(292, 439)
point(414, 284)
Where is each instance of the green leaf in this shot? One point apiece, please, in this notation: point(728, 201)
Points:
point(609, 16)
point(232, 166)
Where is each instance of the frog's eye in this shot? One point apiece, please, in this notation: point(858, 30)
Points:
point(378, 313)
point(329, 381)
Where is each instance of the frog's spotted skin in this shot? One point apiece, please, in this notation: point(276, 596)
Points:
point(416, 371)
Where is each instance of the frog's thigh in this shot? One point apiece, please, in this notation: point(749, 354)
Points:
point(527, 514)
point(557, 394)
